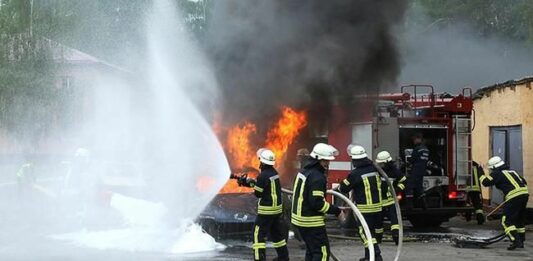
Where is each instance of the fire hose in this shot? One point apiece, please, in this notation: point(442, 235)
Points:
point(357, 214)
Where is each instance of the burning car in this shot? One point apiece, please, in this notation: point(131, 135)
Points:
point(233, 211)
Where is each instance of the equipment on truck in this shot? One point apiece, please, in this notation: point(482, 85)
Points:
point(389, 121)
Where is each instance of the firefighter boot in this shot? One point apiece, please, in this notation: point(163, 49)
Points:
point(522, 237)
point(283, 254)
point(395, 236)
point(367, 255)
point(516, 243)
point(480, 218)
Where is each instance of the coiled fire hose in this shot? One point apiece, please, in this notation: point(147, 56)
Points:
point(398, 211)
point(357, 215)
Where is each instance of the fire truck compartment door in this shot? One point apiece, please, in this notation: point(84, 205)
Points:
point(388, 137)
point(362, 135)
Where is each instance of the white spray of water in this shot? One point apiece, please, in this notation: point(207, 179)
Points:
point(160, 131)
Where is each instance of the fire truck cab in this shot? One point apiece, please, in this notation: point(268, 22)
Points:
point(389, 121)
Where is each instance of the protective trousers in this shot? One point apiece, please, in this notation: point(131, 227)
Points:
point(389, 212)
point(316, 243)
point(514, 217)
point(414, 191)
point(375, 223)
point(270, 225)
point(477, 203)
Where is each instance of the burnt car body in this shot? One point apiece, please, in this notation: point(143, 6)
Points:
point(229, 215)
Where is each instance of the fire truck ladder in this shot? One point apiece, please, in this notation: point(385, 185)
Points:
point(462, 159)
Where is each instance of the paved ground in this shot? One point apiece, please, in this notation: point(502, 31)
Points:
point(427, 245)
point(19, 240)
point(419, 246)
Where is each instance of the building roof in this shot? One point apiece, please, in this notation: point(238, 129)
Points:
point(511, 83)
point(59, 52)
point(69, 55)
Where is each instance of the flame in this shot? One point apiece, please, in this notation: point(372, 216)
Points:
point(238, 145)
point(241, 149)
point(285, 131)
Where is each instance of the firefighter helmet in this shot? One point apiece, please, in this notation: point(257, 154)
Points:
point(322, 151)
point(266, 156)
point(383, 157)
point(357, 152)
point(495, 162)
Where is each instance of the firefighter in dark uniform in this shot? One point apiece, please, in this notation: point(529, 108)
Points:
point(414, 191)
point(474, 192)
point(516, 194)
point(365, 182)
point(269, 219)
point(309, 205)
point(384, 160)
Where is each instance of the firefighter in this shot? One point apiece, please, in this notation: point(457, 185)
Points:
point(415, 182)
point(384, 160)
point(365, 183)
point(516, 194)
point(269, 219)
point(309, 205)
point(25, 179)
point(474, 193)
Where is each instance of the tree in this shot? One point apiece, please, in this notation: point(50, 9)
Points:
point(511, 19)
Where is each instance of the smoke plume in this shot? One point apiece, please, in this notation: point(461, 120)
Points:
point(301, 53)
point(450, 55)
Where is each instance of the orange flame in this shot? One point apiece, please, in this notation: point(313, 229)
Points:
point(241, 151)
point(238, 145)
point(285, 131)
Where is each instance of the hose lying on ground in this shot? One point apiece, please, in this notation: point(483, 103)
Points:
point(470, 242)
point(357, 215)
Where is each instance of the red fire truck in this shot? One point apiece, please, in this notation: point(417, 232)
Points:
point(388, 122)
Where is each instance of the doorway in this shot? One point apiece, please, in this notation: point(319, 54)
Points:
point(506, 142)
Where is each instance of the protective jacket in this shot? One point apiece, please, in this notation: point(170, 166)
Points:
point(365, 182)
point(419, 160)
point(508, 181)
point(268, 189)
point(309, 205)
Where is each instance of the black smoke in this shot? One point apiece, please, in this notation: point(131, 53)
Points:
point(302, 53)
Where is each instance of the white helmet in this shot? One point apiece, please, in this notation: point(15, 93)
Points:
point(357, 152)
point(322, 151)
point(383, 157)
point(495, 162)
point(266, 156)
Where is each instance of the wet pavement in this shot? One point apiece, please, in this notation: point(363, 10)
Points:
point(419, 245)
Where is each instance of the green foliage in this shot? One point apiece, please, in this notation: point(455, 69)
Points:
point(31, 104)
point(512, 19)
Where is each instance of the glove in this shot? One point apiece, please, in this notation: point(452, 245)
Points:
point(242, 181)
point(334, 210)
